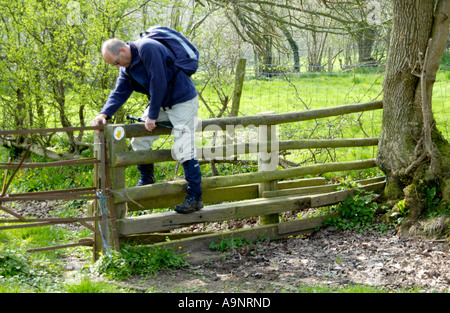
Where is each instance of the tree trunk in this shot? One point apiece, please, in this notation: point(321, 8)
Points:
point(412, 152)
point(366, 38)
point(293, 45)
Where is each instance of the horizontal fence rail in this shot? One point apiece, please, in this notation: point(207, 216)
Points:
point(49, 130)
point(230, 151)
point(138, 130)
point(148, 191)
point(85, 161)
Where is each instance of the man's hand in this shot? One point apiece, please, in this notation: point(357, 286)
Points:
point(99, 120)
point(150, 124)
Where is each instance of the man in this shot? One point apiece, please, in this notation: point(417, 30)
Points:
point(146, 66)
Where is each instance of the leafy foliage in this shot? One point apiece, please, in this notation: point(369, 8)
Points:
point(400, 213)
point(86, 285)
point(16, 267)
point(356, 212)
point(137, 260)
point(434, 206)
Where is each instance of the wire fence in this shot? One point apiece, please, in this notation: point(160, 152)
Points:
point(280, 90)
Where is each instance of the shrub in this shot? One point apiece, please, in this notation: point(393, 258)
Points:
point(356, 212)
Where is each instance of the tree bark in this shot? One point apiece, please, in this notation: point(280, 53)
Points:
point(365, 39)
point(412, 152)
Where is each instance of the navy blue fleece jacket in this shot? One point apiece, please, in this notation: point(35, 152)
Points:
point(150, 73)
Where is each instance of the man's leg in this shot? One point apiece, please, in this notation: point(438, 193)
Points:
point(193, 176)
point(147, 171)
point(147, 174)
point(184, 117)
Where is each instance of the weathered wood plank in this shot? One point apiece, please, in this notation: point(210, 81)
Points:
point(315, 189)
point(152, 238)
point(303, 182)
point(225, 152)
point(210, 196)
point(300, 191)
point(273, 231)
point(48, 130)
point(237, 210)
point(238, 85)
point(201, 244)
point(149, 191)
point(268, 161)
point(339, 196)
point(214, 213)
point(138, 130)
point(218, 195)
point(82, 242)
point(301, 225)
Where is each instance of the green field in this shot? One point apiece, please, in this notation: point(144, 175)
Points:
point(304, 91)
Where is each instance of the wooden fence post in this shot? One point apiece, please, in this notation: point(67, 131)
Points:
point(108, 178)
point(238, 85)
point(92, 208)
point(116, 142)
point(268, 161)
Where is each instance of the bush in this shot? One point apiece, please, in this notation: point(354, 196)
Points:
point(356, 212)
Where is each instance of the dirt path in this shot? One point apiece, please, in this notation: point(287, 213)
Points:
point(328, 257)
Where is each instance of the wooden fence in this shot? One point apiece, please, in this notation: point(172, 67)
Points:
point(265, 193)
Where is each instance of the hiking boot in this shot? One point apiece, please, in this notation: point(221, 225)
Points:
point(189, 205)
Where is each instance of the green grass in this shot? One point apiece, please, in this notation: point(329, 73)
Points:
point(87, 285)
point(298, 92)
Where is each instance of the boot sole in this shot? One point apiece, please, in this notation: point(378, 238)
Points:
point(187, 211)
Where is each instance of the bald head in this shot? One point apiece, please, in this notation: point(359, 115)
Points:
point(113, 46)
point(116, 52)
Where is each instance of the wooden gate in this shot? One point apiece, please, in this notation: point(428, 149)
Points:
point(265, 193)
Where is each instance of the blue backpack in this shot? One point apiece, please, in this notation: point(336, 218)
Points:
point(187, 56)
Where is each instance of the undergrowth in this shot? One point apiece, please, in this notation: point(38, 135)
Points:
point(20, 271)
point(357, 213)
point(137, 260)
point(229, 244)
